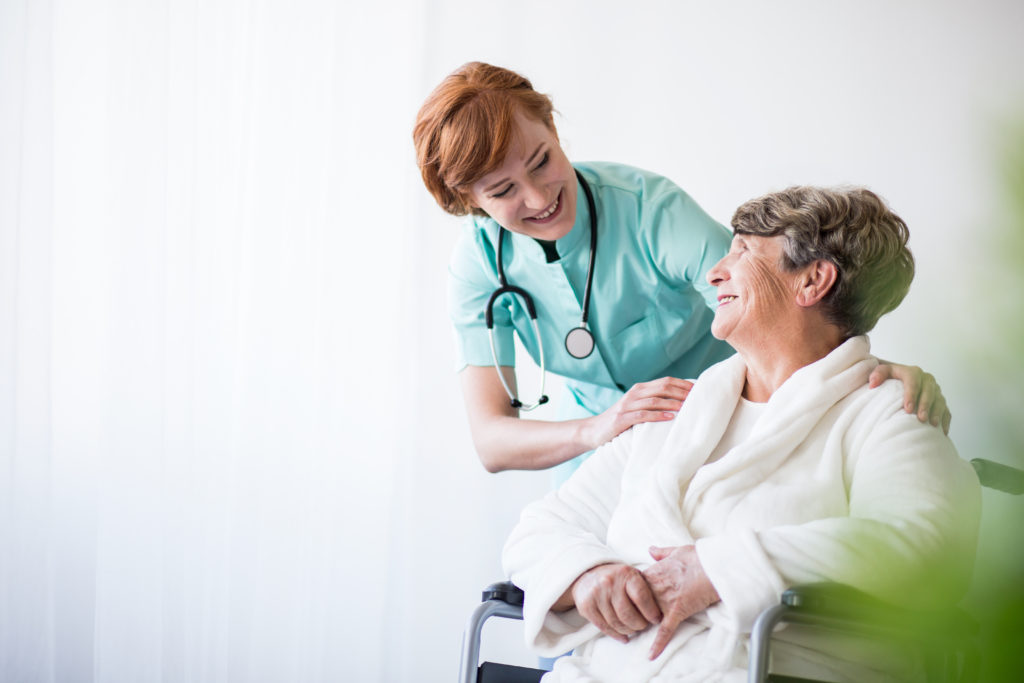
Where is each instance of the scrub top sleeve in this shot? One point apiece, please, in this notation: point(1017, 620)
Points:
point(469, 288)
point(684, 241)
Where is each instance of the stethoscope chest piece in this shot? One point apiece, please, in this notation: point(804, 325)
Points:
point(579, 342)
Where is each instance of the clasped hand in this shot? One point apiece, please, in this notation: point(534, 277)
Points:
point(622, 600)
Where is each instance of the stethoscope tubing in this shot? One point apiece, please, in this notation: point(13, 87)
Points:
point(531, 309)
point(513, 399)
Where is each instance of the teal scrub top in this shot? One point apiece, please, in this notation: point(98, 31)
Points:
point(650, 306)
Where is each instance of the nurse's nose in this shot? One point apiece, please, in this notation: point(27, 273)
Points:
point(535, 197)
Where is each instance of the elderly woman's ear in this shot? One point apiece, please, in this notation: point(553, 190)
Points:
point(815, 282)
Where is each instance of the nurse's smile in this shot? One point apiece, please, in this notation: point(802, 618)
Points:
point(551, 213)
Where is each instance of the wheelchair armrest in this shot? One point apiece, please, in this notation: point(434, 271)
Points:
point(833, 598)
point(505, 591)
point(842, 603)
point(842, 608)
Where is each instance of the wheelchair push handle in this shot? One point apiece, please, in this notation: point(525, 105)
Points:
point(994, 475)
point(505, 591)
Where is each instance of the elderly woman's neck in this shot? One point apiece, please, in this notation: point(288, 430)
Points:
point(776, 359)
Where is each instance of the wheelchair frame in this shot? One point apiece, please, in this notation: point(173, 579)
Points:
point(952, 653)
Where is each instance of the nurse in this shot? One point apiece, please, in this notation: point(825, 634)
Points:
point(611, 259)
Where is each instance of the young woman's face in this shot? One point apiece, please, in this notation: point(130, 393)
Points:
point(533, 192)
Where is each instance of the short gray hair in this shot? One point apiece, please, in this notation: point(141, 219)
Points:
point(852, 228)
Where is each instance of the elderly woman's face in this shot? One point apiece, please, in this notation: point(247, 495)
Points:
point(753, 289)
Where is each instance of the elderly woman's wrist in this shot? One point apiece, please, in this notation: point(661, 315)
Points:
point(710, 592)
point(568, 598)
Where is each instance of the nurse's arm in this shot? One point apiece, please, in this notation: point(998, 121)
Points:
point(504, 441)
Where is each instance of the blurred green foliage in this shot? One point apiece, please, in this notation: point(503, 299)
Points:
point(989, 341)
point(997, 596)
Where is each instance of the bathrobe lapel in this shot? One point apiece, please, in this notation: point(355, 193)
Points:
point(702, 421)
point(682, 480)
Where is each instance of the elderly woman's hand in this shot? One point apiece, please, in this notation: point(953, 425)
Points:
point(655, 401)
point(921, 393)
point(616, 599)
point(681, 588)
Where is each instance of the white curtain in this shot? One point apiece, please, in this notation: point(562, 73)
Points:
point(220, 321)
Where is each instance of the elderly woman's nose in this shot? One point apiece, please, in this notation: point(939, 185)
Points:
point(718, 274)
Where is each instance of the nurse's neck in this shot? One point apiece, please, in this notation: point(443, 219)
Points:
point(550, 250)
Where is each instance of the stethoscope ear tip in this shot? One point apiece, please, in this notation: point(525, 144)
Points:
point(518, 405)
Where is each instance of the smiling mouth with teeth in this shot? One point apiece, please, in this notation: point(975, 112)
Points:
point(726, 299)
point(551, 210)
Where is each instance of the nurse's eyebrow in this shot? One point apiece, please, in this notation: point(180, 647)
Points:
point(496, 185)
point(529, 161)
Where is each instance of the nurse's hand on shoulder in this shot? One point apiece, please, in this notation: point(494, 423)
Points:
point(655, 401)
point(921, 393)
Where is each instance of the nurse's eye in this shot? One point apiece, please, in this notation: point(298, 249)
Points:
point(501, 194)
point(543, 162)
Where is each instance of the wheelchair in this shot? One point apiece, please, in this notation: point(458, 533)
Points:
point(947, 642)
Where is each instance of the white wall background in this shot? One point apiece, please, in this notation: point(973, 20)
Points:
point(232, 446)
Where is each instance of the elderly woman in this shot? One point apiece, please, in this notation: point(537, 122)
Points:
point(781, 468)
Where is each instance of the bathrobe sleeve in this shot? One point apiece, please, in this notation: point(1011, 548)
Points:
point(558, 538)
point(914, 510)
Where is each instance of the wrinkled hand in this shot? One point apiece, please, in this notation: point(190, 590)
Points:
point(681, 588)
point(616, 599)
point(655, 401)
point(921, 393)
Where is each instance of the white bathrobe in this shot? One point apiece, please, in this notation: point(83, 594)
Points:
point(835, 483)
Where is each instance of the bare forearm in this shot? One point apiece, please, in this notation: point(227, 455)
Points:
point(512, 443)
point(505, 442)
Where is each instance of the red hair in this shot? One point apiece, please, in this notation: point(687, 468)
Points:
point(465, 127)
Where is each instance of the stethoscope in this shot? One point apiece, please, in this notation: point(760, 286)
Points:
point(579, 342)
